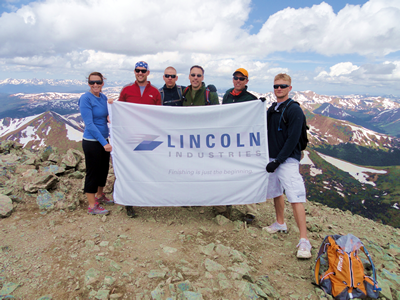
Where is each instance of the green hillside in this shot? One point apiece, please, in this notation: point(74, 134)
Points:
point(337, 189)
point(361, 155)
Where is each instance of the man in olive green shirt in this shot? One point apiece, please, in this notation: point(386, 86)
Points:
point(196, 94)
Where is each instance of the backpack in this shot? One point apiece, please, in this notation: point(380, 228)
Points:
point(210, 88)
point(172, 102)
point(345, 279)
point(303, 140)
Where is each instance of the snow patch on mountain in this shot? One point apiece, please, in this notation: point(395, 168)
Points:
point(9, 125)
point(73, 134)
point(48, 96)
point(306, 160)
point(28, 134)
point(359, 173)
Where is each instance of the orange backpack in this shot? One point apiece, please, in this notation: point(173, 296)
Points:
point(345, 278)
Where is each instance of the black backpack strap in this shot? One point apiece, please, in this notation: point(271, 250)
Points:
point(179, 88)
point(184, 94)
point(284, 113)
point(161, 90)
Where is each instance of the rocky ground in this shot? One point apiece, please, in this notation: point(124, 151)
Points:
point(50, 248)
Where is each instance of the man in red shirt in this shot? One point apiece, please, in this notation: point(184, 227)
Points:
point(141, 92)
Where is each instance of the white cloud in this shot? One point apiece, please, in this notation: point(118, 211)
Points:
point(386, 73)
point(371, 29)
point(124, 26)
point(199, 26)
point(77, 36)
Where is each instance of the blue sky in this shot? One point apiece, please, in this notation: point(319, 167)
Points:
point(331, 47)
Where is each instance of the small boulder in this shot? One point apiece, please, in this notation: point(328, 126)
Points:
point(6, 206)
point(44, 182)
point(72, 158)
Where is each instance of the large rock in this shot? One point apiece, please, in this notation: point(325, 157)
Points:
point(6, 206)
point(81, 166)
point(72, 158)
point(5, 175)
point(213, 266)
point(44, 200)
point(53, 169)
point(23, 168)
point(8, 288)
point(221, 220)
point(7, 145)
point(42, 182)
point(54, 157)
point(46, 152)
point(266, 286)
point(91, 276)
point(33, 160)
point(56, 200)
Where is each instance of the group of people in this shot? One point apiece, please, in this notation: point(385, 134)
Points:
point(283, 137)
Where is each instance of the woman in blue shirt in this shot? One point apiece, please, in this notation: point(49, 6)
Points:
point(93, 107)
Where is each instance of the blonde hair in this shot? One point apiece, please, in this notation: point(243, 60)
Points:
point(283, 76)
point(172, 68)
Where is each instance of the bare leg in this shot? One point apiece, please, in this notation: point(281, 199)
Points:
point(91, 199)
point(279, 203)
point(300, 217)
point(99, 191)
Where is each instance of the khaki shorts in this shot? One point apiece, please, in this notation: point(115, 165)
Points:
point(288, 179)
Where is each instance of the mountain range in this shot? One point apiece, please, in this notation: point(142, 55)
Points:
point(12, 86)
point(346, 133)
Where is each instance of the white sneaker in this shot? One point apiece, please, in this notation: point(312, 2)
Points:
point(276, 227)
point(304, 248)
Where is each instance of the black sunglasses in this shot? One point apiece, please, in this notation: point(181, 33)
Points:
point(168, 76)
point(240, 78)
point(282, 86)
point(92, 82)
point(140, 70)
point(194, 75)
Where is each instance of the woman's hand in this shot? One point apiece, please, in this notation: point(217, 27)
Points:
point(110, 100)
point(108, 148)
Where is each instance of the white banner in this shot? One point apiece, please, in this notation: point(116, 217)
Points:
point(189, 156)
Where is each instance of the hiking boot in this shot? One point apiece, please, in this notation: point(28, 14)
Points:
point(276, 227)
point(104, 200)
point(97, 210)
point(226, 213)
point(130, 212)
point(304, 250)
point(249, 218)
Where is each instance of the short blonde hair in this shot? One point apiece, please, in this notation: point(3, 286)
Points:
point(171, 68)
point(283, 76)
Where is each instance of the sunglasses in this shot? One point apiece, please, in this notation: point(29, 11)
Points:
point(140, 70)
point(168, 76)
point(282, 86)
point(240, 78)
point(92, 82)
point(194, 75)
